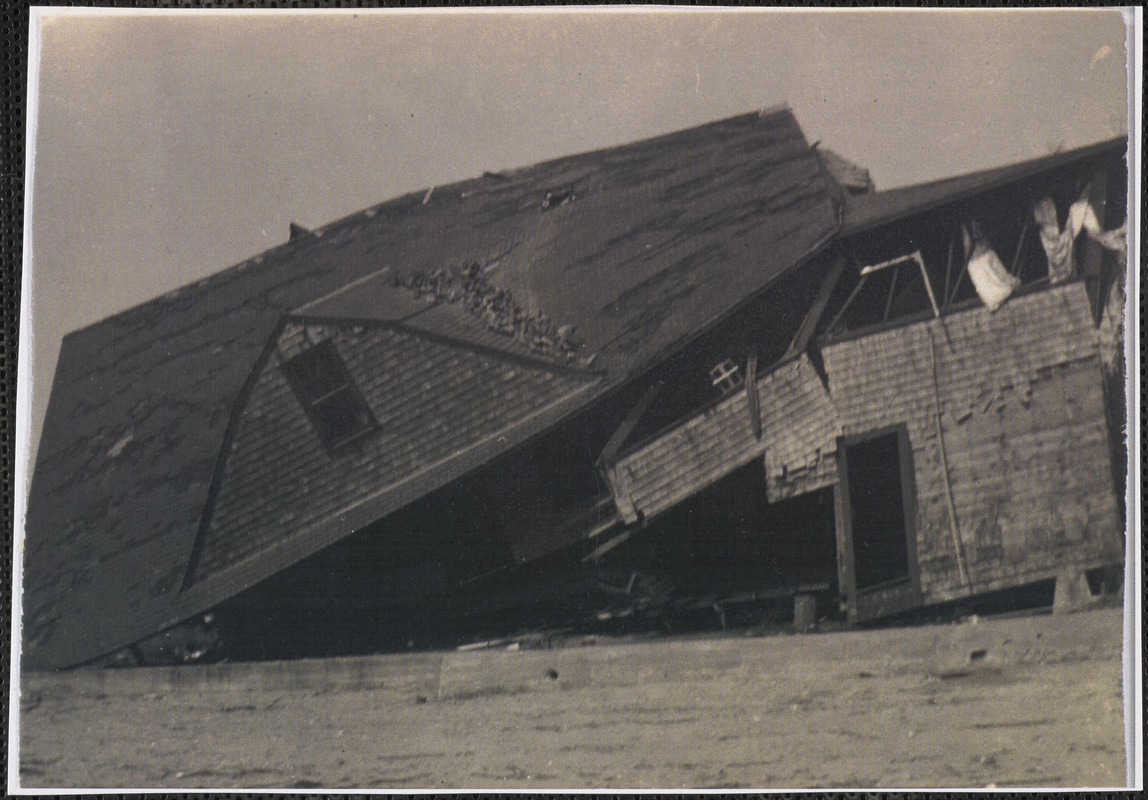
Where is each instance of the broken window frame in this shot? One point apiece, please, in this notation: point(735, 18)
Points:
point(894, 263)
point(937, 303)
point(326, 390)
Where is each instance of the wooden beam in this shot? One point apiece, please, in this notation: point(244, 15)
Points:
point(948, 271)
point(628, 424)
point(848, 301)
point(960, 279)
point(954, 525)
point(889, 299)
point(1019, 246)
point(809, 324)
point(928, 284)
point(751, 396)
point(606, 547)
point(602, 527)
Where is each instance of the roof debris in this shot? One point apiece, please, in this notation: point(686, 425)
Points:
point(557, 198)
point(119, 446)
point(495, 308)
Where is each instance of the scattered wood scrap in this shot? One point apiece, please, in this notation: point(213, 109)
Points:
point(495, 307)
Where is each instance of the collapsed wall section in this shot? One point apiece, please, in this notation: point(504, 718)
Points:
point(798, 427)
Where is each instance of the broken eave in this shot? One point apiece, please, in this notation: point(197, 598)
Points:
point(867, 212)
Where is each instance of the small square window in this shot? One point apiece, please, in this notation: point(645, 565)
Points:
point(726, 377)
point(324, 387)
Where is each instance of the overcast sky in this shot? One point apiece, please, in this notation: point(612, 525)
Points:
point(169, 147)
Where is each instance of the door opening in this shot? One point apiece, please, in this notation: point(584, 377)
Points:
point(876, 487)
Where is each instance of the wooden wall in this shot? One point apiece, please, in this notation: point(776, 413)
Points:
point(799, 428)
point(1021, 410)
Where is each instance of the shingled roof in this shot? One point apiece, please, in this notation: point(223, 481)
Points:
point(867, 211)
point(639, 248)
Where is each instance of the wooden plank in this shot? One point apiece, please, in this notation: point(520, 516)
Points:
point(751, 396)
point(889, 299)
point(845, 306)
point(628, 424)
point(598, 530)
point(928, 287)
point(948, 271)
point(607, 546)
point(1020, 245)
point(809, 324)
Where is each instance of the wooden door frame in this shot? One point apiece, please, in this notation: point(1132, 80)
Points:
point(898, 595)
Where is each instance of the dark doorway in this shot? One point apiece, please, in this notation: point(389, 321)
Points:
point(880, 550)
point(876, 482)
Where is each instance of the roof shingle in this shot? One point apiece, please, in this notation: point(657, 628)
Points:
point(657, 241)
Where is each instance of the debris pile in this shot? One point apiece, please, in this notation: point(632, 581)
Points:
point(496, 308)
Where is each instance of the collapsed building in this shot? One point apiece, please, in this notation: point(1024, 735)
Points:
point(716, 359)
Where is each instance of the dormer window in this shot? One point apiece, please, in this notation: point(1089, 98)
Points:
point(324, 387)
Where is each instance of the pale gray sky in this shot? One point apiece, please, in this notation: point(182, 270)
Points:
point(169, 147)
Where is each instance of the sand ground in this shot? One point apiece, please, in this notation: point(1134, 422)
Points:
point(1033, 701)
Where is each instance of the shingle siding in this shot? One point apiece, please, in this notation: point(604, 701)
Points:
point(1023, 420)
point(799, 428)
point(431, 401)
point(1022, 415)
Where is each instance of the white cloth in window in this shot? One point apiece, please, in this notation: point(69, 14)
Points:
point(992, 281)
point(1059, 244)
point(1115, 240)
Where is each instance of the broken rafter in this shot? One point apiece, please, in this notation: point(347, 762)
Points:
point(928, 286)
point(847, 303)
point(914, 256)
point(628, 424)
point(892, 262)
point(961, 277)
point(601, 528)
point(817, 310)
point(608, 545)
